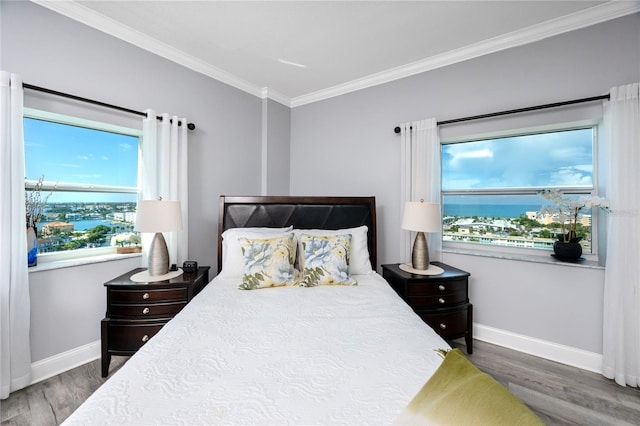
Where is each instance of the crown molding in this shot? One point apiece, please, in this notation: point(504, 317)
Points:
point(577, 20)
point(267, 93)
point(568, 23)
point(80, 13)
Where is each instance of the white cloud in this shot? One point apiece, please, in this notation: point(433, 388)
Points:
point(460, 153)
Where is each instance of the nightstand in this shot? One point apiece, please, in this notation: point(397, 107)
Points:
point(442, 301)
point(137, 311)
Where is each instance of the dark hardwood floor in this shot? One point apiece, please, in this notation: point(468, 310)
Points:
point(559, 394)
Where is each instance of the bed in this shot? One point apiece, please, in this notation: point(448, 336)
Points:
point(317, 354)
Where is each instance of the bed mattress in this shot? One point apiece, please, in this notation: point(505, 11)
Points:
point(285, 355)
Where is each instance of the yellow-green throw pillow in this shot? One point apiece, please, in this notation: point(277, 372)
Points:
point(460, 394)
point(325, 260)
point(267, 262)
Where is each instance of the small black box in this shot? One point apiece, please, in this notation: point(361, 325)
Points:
point(190, 266)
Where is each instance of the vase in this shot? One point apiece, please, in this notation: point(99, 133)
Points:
point(32, 246)
point(567, 251)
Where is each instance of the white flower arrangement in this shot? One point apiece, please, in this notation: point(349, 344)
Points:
point(569, 209)
point(35, 203)
point(126, 239)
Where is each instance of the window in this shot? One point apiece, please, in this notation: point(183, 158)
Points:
point(490, 187)
point(90, 170)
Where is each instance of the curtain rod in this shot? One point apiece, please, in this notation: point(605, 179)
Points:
point(190, 126)
point(515, 111)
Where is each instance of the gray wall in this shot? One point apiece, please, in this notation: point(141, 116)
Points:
point(276, 135)
point(346, 146)
point(55, 52)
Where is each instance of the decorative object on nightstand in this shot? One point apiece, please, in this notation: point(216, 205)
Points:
point(442, 301)
point(421, 217)
point(158, 216)
point(567, 209)
point(137, 311)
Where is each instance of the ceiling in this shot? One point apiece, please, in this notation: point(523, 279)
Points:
point(297, 52)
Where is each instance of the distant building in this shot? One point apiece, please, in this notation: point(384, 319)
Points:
point(123, 216)
point(62, 226)
point(532, 215)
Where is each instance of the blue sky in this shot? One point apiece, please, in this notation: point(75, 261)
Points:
point(64, 153)
point(544, 160)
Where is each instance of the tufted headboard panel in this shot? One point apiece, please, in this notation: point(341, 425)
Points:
point(299, 212)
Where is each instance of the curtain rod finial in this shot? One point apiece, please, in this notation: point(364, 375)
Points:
point(397, 129)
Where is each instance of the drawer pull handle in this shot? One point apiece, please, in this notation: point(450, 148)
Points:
point(441, 287)
point(145, 338)
point(443, 325)
point(145, 311)
point(145, 296)
point(441, 301)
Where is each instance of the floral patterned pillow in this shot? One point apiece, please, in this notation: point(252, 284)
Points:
point(325, 260)
point(268, 262)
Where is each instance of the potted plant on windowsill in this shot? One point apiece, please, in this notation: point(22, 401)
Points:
point(568, 210)
point(127, 243)
point(34, 208)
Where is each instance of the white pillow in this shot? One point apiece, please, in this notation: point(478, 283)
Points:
point(232, 258)
point(359, 262)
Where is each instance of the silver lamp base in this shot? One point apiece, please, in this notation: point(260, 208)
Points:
point(420, 252)
point(158, 256)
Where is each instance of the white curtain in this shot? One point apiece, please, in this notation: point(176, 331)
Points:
point(621, 334)
point(163, 173)
point(420, 169)
point(15, 350)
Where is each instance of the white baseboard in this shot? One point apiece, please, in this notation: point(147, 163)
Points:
point(54, 365)
point(579, 358)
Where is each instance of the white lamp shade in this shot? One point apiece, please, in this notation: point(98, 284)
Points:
point(158, 216)
point(421, 217)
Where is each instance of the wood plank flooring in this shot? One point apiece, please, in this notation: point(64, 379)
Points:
point(51, 401)
point(559, 394)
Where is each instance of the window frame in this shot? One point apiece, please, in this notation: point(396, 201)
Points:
point(486, 249)
point(84, 255)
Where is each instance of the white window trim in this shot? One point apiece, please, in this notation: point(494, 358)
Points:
point(81, 122)
point(62, 259)
point(523, 253)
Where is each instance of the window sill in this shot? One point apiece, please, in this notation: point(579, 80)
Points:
point(68, 263)
point(534, 258)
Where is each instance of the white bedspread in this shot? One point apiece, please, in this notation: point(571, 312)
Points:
point(287, 355)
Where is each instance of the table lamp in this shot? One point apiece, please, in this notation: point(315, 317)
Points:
point(158, 216)
point(421, 217)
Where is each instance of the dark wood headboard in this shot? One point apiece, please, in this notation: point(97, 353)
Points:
point(299, 212)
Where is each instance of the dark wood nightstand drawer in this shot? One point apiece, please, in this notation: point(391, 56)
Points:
point(434, 300)
point(447, 324)
point(151, 296)
point(148, 310)
point(130, 337)
point(437, 289)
